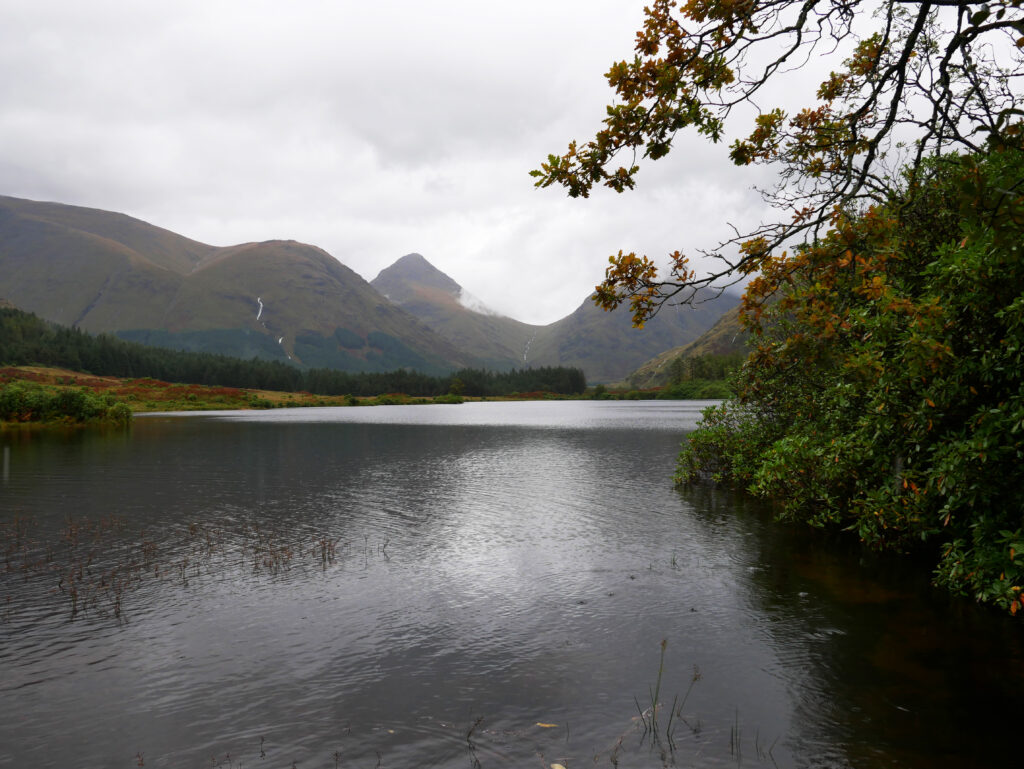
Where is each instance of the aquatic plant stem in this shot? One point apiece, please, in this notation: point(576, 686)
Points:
point(657, 687)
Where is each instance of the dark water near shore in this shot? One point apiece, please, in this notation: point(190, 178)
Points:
point(360, 587)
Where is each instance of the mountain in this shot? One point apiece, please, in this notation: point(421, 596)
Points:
point(282, 300)
point(422, 290)
point(725, 337)
point(604, 344)
point(607, 347)
point(107, 272)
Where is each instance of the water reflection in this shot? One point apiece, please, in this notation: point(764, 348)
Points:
point(484, 568)
point(882, 668)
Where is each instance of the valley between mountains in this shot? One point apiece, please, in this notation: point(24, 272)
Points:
point(106, 272)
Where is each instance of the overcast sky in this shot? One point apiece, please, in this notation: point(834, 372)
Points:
point(370, 129)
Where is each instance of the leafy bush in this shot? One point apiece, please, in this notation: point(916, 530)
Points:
point(24, 402)
point(449, 398)
point(698, 389)
point(884, 393)
point(726, 449)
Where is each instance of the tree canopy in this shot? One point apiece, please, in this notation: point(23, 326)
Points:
point(929, 77)
point(26, 339)
point(885, 388)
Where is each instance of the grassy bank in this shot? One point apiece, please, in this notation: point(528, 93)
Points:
point(43, 395)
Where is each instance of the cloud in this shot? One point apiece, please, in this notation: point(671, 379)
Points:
point(369, 129)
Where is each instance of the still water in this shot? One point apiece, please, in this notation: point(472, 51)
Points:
point(484, 585)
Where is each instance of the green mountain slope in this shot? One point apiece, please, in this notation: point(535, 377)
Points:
point(725, 337)
point(161, 247)
point(105, 272)
point(607, 347)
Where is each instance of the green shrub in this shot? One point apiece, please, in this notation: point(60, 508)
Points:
point(884, 393)
point(27, 402)
point(449, 398)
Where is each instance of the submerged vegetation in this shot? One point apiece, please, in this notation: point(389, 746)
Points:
point(91, 565)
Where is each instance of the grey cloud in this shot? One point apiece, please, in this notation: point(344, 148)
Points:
point(369, 129)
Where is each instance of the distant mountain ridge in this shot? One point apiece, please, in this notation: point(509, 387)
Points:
point(422, 290)
point(107, 272)
point(607, 347)
point(604, 344)
point(283, 300)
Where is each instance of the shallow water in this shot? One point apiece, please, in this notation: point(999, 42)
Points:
point(361, 586)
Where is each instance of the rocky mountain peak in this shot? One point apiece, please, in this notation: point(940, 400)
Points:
point(409, 273)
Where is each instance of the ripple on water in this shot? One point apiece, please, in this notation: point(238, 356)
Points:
point(522, 570)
